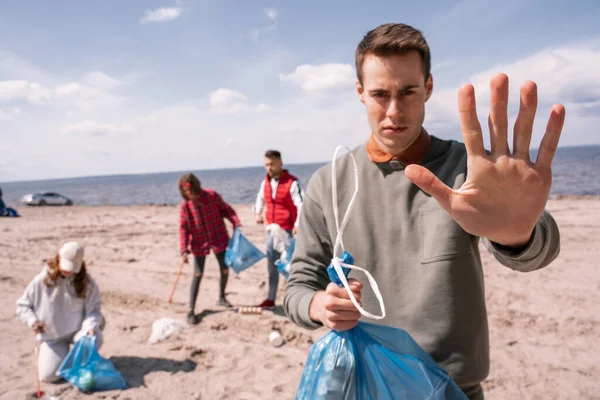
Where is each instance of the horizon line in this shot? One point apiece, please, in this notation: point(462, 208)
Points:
point(211, 169)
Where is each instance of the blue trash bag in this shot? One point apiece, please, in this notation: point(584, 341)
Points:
point(284, 262)
point(85, 368)
point(372, 362)
point(241, 254)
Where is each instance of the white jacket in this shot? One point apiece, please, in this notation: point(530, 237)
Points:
point(58, 306)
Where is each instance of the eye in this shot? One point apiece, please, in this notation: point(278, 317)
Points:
point(408, 92)
point(380, 94)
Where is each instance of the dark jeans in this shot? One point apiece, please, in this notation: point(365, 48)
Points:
point(199, 262)
point(474, 392)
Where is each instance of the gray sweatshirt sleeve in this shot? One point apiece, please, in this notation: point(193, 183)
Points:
point(313, 253)
point(542, 249)
point(26, 303)
point(93, 317)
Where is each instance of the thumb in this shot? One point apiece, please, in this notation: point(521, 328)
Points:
point(430, 184)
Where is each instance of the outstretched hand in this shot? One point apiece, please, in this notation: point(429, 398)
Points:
point(505, 193)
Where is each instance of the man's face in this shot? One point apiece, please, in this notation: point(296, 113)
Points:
point(274, 166)
point(394, 91)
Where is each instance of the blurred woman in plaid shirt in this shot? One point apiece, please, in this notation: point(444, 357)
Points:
point(202, 229)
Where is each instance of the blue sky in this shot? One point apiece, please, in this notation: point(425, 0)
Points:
point(111, 86)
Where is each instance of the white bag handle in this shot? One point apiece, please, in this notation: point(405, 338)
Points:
point(336, 262)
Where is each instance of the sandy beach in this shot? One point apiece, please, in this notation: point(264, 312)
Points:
point(544, 325)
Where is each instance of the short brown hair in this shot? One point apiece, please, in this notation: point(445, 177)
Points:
point(273, 154)
point(190, 181)
point(392, 39)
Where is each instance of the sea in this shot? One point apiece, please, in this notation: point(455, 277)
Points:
point(576, 171)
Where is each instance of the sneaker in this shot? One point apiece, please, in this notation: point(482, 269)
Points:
point(224, 303)
point(267, 304)
point(191, 318)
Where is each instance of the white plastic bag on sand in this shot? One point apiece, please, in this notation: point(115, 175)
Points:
point(165, 327)
point(280, 237)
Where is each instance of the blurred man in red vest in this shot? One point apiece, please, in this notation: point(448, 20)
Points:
point(279, 199)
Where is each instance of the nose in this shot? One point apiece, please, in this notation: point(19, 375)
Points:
point(394, 109)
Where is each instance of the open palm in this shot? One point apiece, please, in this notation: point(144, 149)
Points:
point(505, 193)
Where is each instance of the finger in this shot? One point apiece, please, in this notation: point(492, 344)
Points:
point(336, 304)
point(469, 123)
point(525, 118)
point(550, 140)
point(354, 285)
point(430, 184)
point(338, 316)
point(342, 293)
point(498, 120)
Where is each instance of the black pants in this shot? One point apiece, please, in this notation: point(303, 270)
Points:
point(199, 262)
point(474, 392)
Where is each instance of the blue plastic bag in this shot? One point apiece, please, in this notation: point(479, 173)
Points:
point(372, 362)
point(241, 254)
point(284, 262)
point(85, 368)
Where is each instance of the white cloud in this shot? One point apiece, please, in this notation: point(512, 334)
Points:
point(227, 101)
point(271, 13)
point(33, 92)
point(75, 90)
point(100, 80)
point(17, 68)
point(163, 14)
point(90, 128)
point(318, 78)
point(9, 114)
point(263, 108)
point(83, 97)
point(566, 74)
point(72, 94)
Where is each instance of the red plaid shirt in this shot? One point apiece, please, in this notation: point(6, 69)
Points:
point(201, 225)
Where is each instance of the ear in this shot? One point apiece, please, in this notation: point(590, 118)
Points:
point(428, 87)
point(360, 91)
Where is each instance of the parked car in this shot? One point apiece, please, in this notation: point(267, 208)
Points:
point(46, 199)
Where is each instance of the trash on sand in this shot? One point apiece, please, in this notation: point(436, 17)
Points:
point(165, 327)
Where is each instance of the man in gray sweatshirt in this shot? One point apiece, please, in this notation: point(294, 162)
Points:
point(422, 206)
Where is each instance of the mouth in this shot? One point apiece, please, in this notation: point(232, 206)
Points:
point(390, 129)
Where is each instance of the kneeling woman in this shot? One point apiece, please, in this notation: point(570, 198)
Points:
point(61, 305)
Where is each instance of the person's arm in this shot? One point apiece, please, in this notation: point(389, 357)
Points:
point(312, 255)
point(25, 306)
point(259, 204)
point(93, 319)
point(542, 249)
point(184, 230)
point(298, 199)
point(228, 212)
